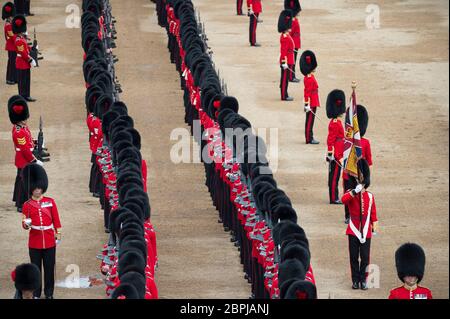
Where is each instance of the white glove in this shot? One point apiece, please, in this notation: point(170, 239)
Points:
point(39, 163)
point(307, 108)
point(358, 188)
point(33, 63)
point(330, 157)
point(250, 12)
point(284, 66)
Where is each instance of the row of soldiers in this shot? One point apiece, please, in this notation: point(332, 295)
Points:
point(240, 183)
point(119, 173)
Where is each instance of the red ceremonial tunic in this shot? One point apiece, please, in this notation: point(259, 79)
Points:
point(335, 140)
point(295, 33)
point(10, 37)
point(44, 220)
point(369, 213)
point(96, 134)
point(404, 293)
point(24, 145)
point(287, 47)
point(144, 174)
point(311, 92)
point(366, 150)
point(256, 5)
point(23, 53)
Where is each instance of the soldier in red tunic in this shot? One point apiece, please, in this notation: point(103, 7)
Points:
point(308, 65)
point(410, 263)
point(335, 141)
point(294, 6)
point(363, 122)
point(8, 12)
point(254, 8)
point(359, 241)
point(40, 216)
point(23, 145)
point(287, 47)
point(24, 61)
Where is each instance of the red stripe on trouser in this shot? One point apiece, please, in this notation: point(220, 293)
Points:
point(309, 116)
point(291, 72)
point(333, 184)
point(239, 6)
point(255, 24)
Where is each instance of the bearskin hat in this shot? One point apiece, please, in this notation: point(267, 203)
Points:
point(92, 94)
point(34, 176)
point(125, 291)
point(18, 109)
point(19, 24)
point(284, 212)
point(27, 277)
point(335, 104)
point(284, 229)
point(136, 279)
point(299, 289)
point(410, 261)
point(291, 269)
point(117, 216)
point(364, 170)
point(131, 260)
point(308, 62)
point(120, 108)
point(363, 119)
point(102, 105)
point(296, 251)
point(135, 244)
point(285, 21)
point(293, 5)
point(8, 10)
point(229, 102)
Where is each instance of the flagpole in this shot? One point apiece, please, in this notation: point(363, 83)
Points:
point(359, 174)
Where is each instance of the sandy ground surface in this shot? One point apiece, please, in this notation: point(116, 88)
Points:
point(402, 74)
point(402, 71)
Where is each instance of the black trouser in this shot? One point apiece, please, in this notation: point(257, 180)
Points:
point(284, 83)
point(309, 125)
point(20, 196)
point(27, 6)
point(11, 71)
point(22, 6)
point(358, 251)
point(47, 257)
point(239, 7)
point(24, 82)
point(293, 66)
point(334, 173)
point(253, 25)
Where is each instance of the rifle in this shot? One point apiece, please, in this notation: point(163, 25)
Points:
point(40, 152)
point(34, 53)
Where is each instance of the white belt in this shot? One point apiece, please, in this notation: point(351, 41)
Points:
point(18, 149)
point(42, 227)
